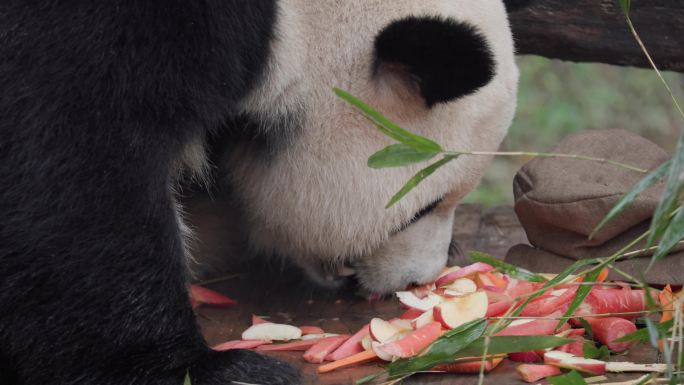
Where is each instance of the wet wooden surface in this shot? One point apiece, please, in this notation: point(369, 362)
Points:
point(282, 294)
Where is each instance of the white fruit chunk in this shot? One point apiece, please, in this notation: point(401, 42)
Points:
point(410, 300)
point(376, 346)
point(462, 286)
point(272, 332)
point(572, 362)
point(423, 320)
point(457, 311)
point(382, 330)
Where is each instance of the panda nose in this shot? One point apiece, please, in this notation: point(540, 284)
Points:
point(447, 59)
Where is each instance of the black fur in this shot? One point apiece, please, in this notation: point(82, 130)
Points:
point(448, 59)
point(515, 5)
point(97, 101)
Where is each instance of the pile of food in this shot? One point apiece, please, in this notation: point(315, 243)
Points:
point(472, 318)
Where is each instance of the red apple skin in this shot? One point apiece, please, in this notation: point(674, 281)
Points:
point(350, 346)
point(607, 330)
point(477, 267)
point(526, 357)
point(413, 343)
point(534, 373)
point(472, 367)
point(540, 327)
point(239, 344)
point(311, 330)
point(411, 314)
point(296, 346)
point(317, 353)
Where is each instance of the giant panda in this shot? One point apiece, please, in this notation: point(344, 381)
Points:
point(105, 106)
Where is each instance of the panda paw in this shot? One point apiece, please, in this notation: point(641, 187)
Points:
point(243, 367)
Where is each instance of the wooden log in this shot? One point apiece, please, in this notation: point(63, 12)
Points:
point(596, 31)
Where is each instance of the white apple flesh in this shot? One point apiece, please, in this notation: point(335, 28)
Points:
point(382, 331)
point(457, 311)
point(272, 332)
point(410, 300)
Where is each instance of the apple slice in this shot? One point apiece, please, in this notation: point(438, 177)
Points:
point(202, 296)
point(317, 353)
point(572, 362)
point(350, 347)
point(382, 331)
point(366, 342)
point(318, 336)
point(414, 342)
point(457, 311)
point(410, 300)
point(534, 373)
point(258, 320)
point(596, 367)
point(423, 320)
point(462, 286)
point(272, 332)
point(239, 344)
point(452, 275)
point(311, 330)
point(401, 324)
point(377, 348)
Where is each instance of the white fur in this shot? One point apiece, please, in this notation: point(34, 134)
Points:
point(317, 201)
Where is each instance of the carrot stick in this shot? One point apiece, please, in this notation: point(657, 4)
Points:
point(358, 358)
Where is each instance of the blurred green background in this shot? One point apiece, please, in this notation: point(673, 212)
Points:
point(559, 98)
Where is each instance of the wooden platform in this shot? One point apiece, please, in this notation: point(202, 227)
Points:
point(283, 294)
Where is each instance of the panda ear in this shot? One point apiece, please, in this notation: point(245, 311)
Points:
point(445, 58)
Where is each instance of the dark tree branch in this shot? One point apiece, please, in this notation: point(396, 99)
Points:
point(596, 31)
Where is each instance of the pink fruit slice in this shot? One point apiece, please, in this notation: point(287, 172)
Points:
point(239, 344)
point(455, 312)
point(533, 373)
point(317, 353)
point(351, 346)
point(413, 342)
point(451, 276)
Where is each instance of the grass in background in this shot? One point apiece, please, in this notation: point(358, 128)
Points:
point(560, 98)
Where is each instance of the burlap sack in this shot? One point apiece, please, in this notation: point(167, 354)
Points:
point(560, 201)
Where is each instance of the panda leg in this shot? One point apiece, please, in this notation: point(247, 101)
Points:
point(98, 103)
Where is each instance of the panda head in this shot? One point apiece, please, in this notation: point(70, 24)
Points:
point(442, 68)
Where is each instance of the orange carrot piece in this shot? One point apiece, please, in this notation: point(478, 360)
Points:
point(358, 358)
point(239, 344)
point(603, 275)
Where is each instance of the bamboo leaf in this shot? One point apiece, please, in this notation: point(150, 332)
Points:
point(398, 155)
point(442, 351)
point(511, 344)
point(625, 5)
point(572, 378)
point(670, 197)
point(511, 270)
point(673, 234)
point(367, 379)
point(187, 380)
point(642, 335)
point(590, 350)
point(580, 296)
point(587, 328)
point(649, 180)
point(419, 177)
point(390, 128)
